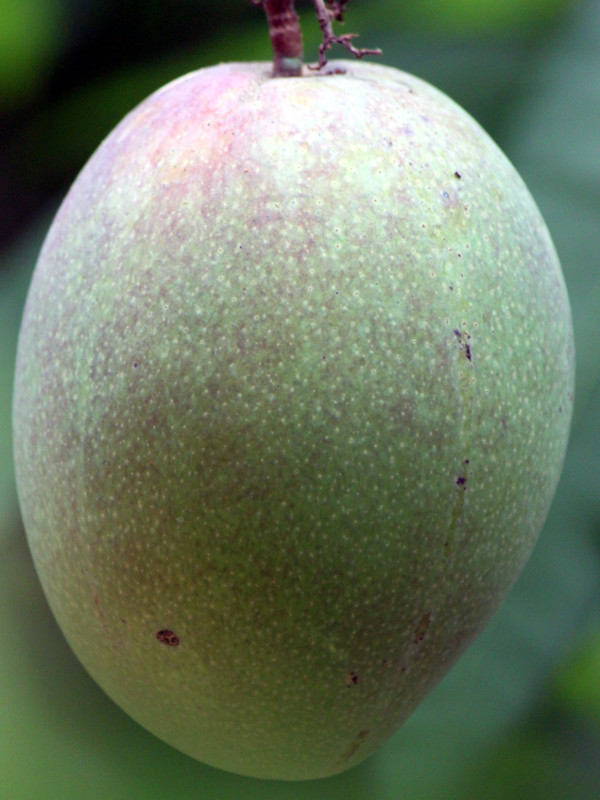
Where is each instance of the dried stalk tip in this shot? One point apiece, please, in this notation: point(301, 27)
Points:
point(327, 11)
point(286, 36)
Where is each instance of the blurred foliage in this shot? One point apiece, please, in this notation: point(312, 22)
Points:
point(577, 683)
point(30, 39)
point(519, 716)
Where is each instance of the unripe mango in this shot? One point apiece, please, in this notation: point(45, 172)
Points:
point(293, 392)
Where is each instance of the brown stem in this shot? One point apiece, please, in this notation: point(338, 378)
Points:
point(286, 37)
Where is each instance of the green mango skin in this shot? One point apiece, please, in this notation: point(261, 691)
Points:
point(293, 392)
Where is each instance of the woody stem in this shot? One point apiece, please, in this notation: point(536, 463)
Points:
point(286, 37)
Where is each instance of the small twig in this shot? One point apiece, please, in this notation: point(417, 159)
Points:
point(325, 16)
point(286, 37)
point(337, 9)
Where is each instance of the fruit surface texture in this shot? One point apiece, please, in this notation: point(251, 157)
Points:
point(293, 392)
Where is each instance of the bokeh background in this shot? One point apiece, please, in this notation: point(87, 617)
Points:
point(519, 716)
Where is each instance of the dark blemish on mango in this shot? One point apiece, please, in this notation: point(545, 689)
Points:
point(461, 483)
point(457, 175)
point(351, 678)
point(421, 628)
point(354, 745)
point(463, 338)
point(167, 637)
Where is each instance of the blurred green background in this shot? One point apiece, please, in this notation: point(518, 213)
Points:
point(519, 716)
